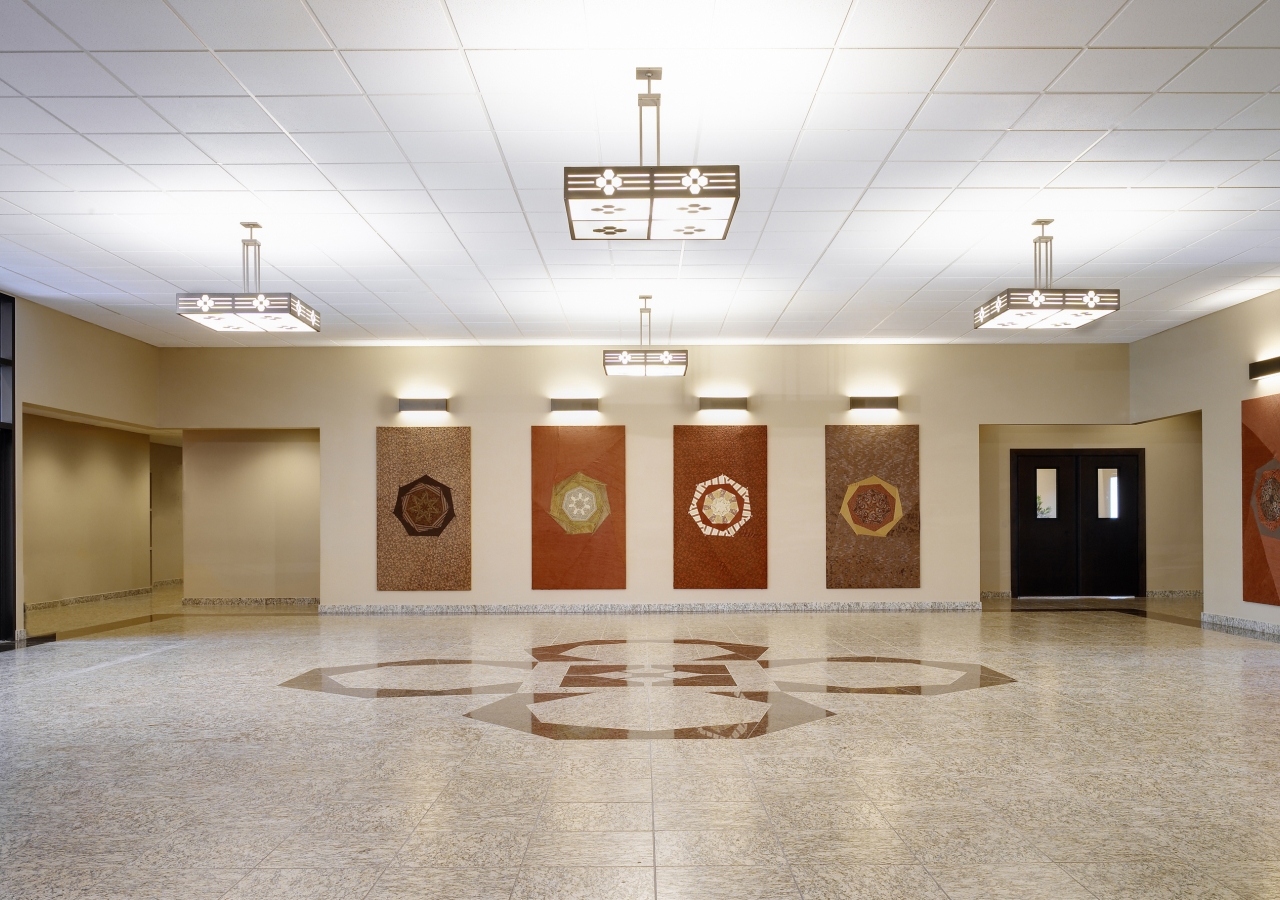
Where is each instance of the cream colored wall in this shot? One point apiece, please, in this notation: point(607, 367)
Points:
point(1173, 492)
point(1204, 365)
point(251, 513)
point(501, 392)
point(166, 512)
point(67, 364)
point(87, 520)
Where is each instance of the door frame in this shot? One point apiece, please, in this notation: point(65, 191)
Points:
point(1139, 452)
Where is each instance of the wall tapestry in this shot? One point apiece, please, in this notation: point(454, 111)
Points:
point(873, 506)
point(721, 491)
point(424, 509)
point(579, 507)
point(1260, 500)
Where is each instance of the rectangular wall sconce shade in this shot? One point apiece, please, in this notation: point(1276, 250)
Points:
point(1045, 308)
point(873, 402)
point(650, 203)
point(1264, 367)
point(722, 403)
point(249, 312)
point(424, 405)
point(582, 404)
point(646, 362)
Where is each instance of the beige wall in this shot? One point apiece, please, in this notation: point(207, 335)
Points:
point(1204, 365)
point(251, 513)
point(1173, 492)
point(501, 392)
point(86, 525)
point(66, 364)
point(166, 512)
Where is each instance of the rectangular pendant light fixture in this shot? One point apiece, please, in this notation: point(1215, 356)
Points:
point(646, 362)
point(1044, 306)
point(650, 203)
point(260, 312)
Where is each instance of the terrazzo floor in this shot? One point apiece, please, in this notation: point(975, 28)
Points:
point(1080, 754)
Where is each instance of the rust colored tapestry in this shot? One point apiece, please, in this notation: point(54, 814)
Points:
point(579, 507)
point(721, 494)
point(1260, 498)
point(424, 509)
point(873, 506)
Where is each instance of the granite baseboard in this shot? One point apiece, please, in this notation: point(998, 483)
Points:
point(377, 609)
point(250, 601)
point(168, 582)
point(1233, 625)
point(996, 595)
point(1174, 595)
point(88, 598)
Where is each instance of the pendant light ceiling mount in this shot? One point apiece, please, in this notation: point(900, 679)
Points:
point(253, 309)
point(1044, 306)
point(644, 203)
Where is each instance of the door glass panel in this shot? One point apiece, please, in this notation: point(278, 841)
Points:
point(1108, 493)
point(1046, 493)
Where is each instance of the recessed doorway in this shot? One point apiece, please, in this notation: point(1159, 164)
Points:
point(1078, 523)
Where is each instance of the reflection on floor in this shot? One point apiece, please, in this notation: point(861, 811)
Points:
point(1119, 756)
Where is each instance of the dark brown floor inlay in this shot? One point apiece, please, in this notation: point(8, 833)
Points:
point(652, 689)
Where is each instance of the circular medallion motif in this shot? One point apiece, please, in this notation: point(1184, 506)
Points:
point(580, 503)
point(655, 689)
point(1268, 498)
point(720, 506)
point(424, 507)
point(871, 507)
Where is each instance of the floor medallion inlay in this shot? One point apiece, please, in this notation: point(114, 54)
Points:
point(682, 689)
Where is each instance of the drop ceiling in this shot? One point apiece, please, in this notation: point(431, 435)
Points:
point(405, 158)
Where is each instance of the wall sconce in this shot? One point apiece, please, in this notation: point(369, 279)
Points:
point(1264, 367)
point(580, 404)
point(424, 405)
point(873, 402)
point(722, 403)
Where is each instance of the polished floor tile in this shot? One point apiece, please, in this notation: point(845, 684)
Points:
point(1116, 757)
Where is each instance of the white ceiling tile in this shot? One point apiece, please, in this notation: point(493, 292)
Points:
point(816, 174)
point(750, 23)
point(351, 147)
point(438, 112)
point(157, 74)
point(892, 199)
point(284, 177)
point(1043, 23)
point(106, 115)
point(922, 174)
point(1231, 70)
point(249, 148)
point(1260, 29)
point(213, 114)
point(98, 178)
point(372, 176)
point(1013, 174)
point(540, 23)
point(1190, 174)
point(858, 111)
point(972, 111)
point(448, 146)
point(391, 201)
point(846, 145)
point(27, 178)
point(945, 145)
point(910, 23)
point(1262, 113)
point(120, 24)
point(461, 176)
point(1234, 145)
point(1043, 145)
point(1123, 145)
point(384, 24)
point(53, 148)
point(1173, 23)
point(1187, 110)
point(295, 72)
point(326, 114)
point(1263, 174)
point(744, 146)
point(1079, 111)
point(1004, 70)
point(884, 71)
point(59, 75)
point(411, 71)
point(252, 24)
point(25, 29)
point(1116, 71)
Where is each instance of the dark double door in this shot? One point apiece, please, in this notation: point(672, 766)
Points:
point(1078, 523)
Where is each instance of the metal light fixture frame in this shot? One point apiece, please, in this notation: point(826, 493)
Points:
point(1043, 306)
point(646, 361)
point(253, 309)
point(646, 203)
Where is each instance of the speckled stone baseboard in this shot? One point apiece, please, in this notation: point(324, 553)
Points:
point(88, 598)
point(996, 595)
point(250, 601)
point(1232, 624)
point(397, 609)
point(1171, 595)
point(168, 582)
